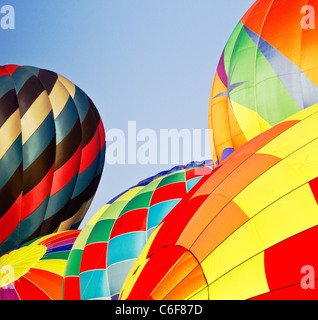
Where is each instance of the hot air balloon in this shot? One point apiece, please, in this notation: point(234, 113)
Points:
point(52, 150)
point(266, 73)
point(246, 231)
point(114, 237)
point(35, 270)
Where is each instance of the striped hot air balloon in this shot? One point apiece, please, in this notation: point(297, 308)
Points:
point(247, 231)
point(267, 72)
point(113, 239)
point(35, 270)
point(52, 150)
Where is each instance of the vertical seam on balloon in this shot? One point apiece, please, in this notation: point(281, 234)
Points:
point(107, 274)
point(106, 269)
point(229, 78)
point(41, 225)
point(92, 271)
point(255, 63)
point(80, 153)
point(149, 205)
point(98, 120)
point(21, 193)
point(156, 188)
point(231, 71)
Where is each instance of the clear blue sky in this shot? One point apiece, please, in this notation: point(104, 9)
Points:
point(149, 61)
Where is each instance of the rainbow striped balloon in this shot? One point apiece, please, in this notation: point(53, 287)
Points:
point(52, 150)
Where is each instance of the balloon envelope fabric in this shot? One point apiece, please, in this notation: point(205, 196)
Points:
point(267, 72)
point(35, 270)
point(244, 232)
point(112, 240)
point(52, 150)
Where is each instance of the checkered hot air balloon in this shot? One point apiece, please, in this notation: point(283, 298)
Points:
point(113, 239)
point(52, 149)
